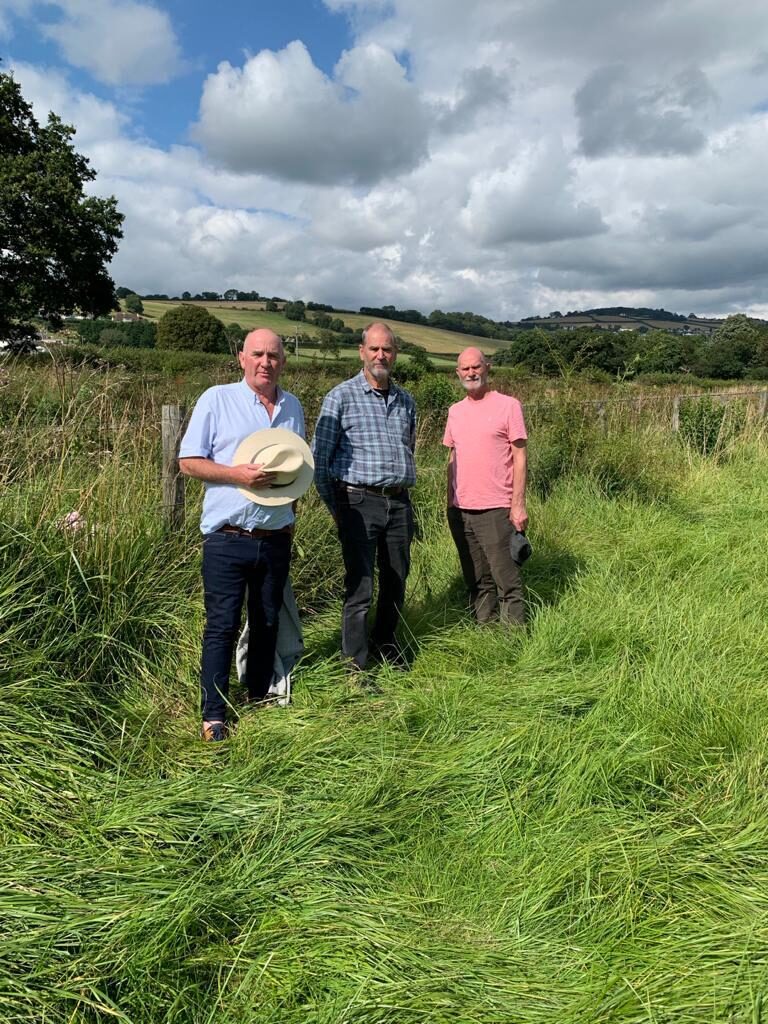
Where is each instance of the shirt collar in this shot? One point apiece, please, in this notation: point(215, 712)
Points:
point(393, 388)
point(255, 398)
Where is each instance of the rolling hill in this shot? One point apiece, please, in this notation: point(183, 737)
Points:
point(436, 341)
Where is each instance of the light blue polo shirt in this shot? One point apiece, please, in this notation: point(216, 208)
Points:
point(222, 417)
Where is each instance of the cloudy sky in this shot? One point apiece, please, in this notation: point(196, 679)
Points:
point(510, 157)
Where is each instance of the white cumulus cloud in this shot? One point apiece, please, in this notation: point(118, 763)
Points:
point(280, 115)
point(119, 42)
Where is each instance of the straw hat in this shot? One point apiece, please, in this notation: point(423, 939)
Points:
point(283, 453)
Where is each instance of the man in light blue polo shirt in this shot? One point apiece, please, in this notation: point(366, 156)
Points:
point(246, 546)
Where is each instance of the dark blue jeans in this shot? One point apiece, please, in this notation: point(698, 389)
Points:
point(233, 566)
point(373, 527)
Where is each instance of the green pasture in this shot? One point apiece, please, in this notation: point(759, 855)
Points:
point(563, 826)
point(248, 318)
point(434, 340)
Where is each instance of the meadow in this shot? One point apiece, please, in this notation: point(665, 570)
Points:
point(564, 826)
point(433, 339)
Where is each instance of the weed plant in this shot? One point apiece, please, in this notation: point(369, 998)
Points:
point(709, 427)
point(566, 825)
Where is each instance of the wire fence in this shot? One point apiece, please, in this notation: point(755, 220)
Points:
point(646, 410)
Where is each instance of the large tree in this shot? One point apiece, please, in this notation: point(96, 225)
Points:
point(191, 327)
point(55, 241)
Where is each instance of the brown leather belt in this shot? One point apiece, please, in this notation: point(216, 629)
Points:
point(254, 534)
point(387, 492)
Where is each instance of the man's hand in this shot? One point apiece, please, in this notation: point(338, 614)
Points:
point(518, 517)
point(250, 474)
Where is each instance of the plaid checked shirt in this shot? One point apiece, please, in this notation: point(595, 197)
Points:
point(362, 440)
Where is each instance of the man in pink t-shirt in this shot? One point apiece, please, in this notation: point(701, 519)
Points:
point(486, 490)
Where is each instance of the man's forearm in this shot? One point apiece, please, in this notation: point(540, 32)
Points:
point(246, 474)
point(517, 512)
point(207, 470)
point(519, 481)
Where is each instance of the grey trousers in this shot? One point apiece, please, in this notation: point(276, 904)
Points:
point(492, 576)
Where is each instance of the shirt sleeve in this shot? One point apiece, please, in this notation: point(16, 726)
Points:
point(324, 444)
point(516, 422)
point(413, 426)
point(448, 434)
point(198, 437)
point(301, 426)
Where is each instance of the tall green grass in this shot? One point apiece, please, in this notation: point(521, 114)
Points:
point(568, 825)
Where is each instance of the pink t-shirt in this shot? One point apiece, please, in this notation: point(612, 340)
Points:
point(481, 432)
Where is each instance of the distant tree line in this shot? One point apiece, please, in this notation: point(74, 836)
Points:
point(462, 323)
point(183, 327)
point(738, 349)
point(230, 295)
point(109, 333)
point(636, 312)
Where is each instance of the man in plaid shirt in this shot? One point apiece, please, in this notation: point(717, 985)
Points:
point(364, 467)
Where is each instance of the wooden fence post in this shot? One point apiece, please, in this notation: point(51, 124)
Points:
point(600, 416)
point(676, 414)
point(762, 407)
point(173, 423)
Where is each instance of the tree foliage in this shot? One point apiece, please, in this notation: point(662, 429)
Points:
point(328, 344)
point(737, 349)
point(55, 241)
point(294, 310)
point(133, 304)
point(191, 327)
point(235, 334)
point(126, 333)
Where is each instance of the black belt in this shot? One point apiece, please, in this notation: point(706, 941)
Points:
point(254, 534)
point(387, 492)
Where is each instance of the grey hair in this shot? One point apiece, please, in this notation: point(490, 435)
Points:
point(387, 328)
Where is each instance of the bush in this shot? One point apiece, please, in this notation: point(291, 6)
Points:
point(560, 446)
point(434, 393)
point(419, 365)
point(127, 334)
point(147, 360)
point(133, 304)
point(294, 310)
point(708, 426)
point(235, 334)
point(620, 466)
point(192, 328)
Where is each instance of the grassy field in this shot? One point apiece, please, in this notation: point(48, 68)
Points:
point(567, 826)
point(431, 338)
point(249, 318)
